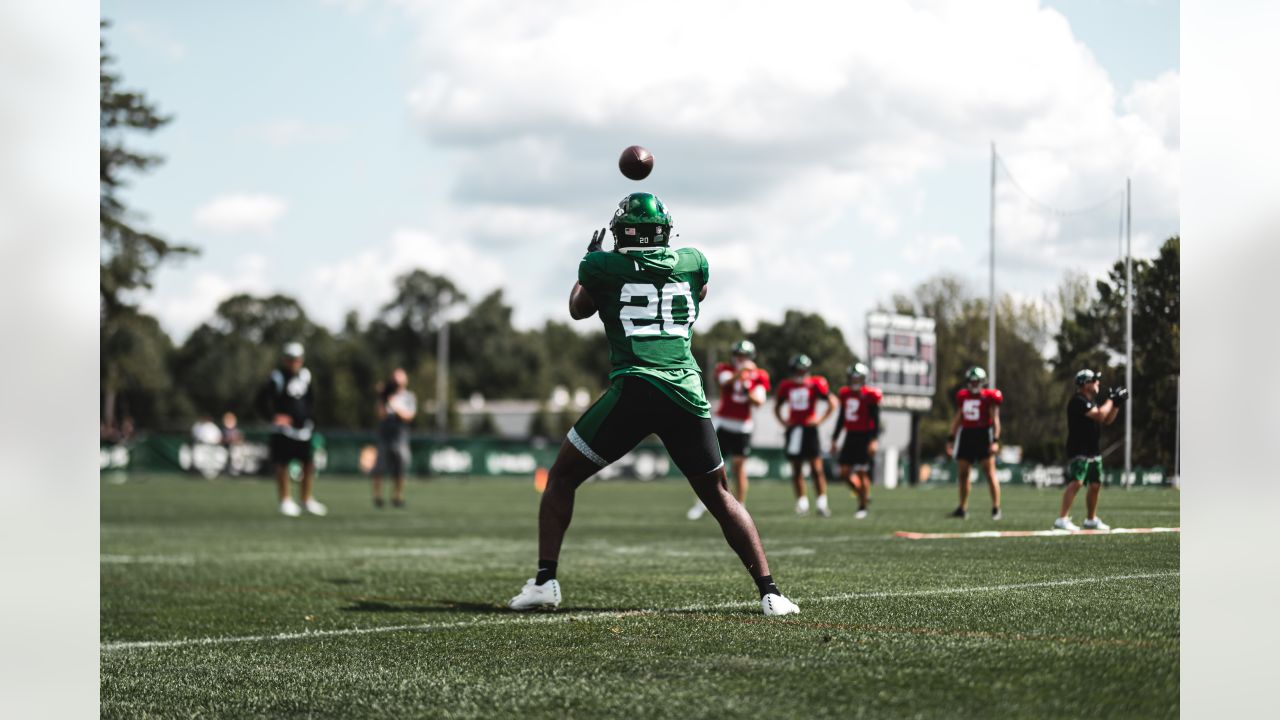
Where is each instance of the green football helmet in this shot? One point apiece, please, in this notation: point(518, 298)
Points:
point(859, 371)
point(744, 347)
point(976, 375)
point(1086, 376)
point(801, 363)
point(641, 221)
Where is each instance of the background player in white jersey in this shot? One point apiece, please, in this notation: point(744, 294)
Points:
point(743, 387)
point(648, 296)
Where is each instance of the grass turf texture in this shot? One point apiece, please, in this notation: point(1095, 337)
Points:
point(659, 618)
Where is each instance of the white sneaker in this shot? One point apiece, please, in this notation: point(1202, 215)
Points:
point(1064, 523)
point(802, 506)
point(860, 515)
point(315, 507)
point(532, 597)
point(1095, 524)
point(696, 511)
point(824, 510)
point(290, 508)
point(777, 605)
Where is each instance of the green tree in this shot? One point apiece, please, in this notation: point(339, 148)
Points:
point(226, 360)
point(129, 255)
point(491, 357)
point(574, 359)
point(1093, 335)
point(405, 330)
point(1029, 416)
point(801, 332)
point(134, 360)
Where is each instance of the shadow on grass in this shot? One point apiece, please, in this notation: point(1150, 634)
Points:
point(461, 606)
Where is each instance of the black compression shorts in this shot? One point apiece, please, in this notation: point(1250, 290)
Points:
point(802, 442)
point(632, 409)
point(973, 444)
point(734, 444)
point(286, 449)
point(854, 451)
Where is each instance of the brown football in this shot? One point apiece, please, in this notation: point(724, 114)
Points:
point(636, 162)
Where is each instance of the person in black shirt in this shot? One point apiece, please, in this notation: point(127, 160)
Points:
point(288, 400)
point(1085, 418)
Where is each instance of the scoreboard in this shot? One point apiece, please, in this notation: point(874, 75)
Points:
point(902, 354)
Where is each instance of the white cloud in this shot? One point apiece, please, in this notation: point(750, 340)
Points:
point(286, 132)
point(241, 213)
point(799, 146)
point(930, 248)
point(809, 130)
point(364, 282)
point(182, 308)
point(1157, 103)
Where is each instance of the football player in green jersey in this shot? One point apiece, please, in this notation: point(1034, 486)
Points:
point(648, 297)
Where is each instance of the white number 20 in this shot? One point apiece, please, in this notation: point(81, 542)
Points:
point(659, 301)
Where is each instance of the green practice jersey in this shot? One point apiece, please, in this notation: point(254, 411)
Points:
point(648, 300)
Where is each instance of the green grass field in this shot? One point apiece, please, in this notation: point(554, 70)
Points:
point(214, 606)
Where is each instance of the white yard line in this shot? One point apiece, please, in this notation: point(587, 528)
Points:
point(944, 591)
point(1031, 533)
point(607, 614)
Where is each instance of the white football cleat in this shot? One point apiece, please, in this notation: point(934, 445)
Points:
point(533, 597)
point(777, 605)
point(696, 511)
point(290, 508)
point(824, 510)
point(802, 506)
point(315, 507)
point(1064, 523)
point(860, 515)
point(1095, 524)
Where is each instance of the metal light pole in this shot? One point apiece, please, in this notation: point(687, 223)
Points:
point(442, 379)
point(991, 276)
point(1130, 296)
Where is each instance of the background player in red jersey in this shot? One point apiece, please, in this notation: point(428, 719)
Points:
point(801, 393)
point(860, 415)
point(976, 433)
point(742, 389)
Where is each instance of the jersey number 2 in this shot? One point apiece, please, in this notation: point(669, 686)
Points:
point(851, 409)
point(661, 301)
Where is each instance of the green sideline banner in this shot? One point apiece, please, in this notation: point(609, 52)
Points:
point(354, 453)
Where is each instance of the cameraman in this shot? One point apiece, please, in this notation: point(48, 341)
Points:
point(1085, 418)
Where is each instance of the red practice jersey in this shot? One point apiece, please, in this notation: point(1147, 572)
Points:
point(734, 411)
point(975, 407)
point(801, 397)
point(859, 409)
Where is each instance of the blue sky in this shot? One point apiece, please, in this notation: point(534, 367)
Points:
point(822, 158)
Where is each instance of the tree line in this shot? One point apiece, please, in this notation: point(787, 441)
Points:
point(159, 384)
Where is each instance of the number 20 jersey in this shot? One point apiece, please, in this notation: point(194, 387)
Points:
point(648, 302)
